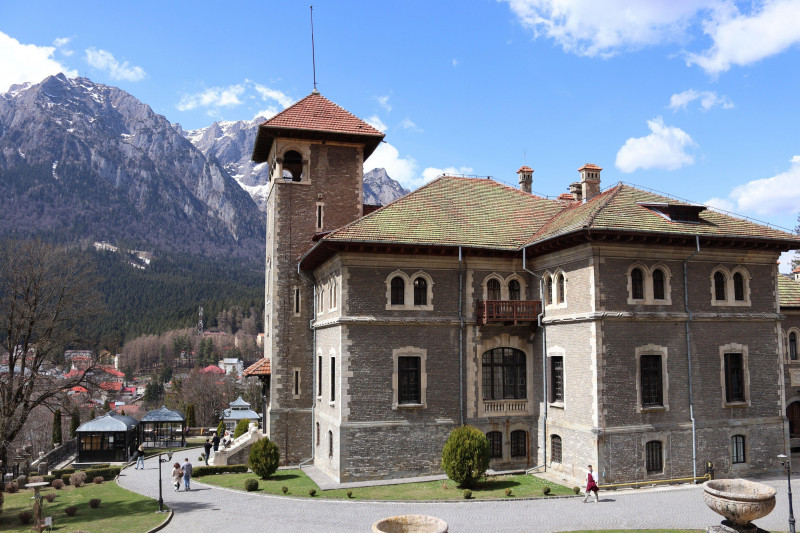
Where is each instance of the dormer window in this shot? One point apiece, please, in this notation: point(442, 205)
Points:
point(676, 212)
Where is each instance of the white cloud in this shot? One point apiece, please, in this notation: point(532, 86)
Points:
point(721, 204)
point(61, 43)
point(105, 61)
point(742, 39)
point(212, 97)
point(401, 169)
point(408, 124)
point(786, 261)
point(432, 173)
point(20, 63)
point(456, 62)
point(708, 99)
point(268, 94)
point(376, 123)
point(766, 196)
point(664, 148)
point(267, 113)
point(592, 28)
point(384, 103)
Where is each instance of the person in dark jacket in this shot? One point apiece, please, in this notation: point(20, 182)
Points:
point(215, 441)
point(140, 457)
point(207, 448)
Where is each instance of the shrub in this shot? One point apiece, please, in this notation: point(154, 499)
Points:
point(284, 489)
point(576, 490)
point(312, 492)
point(25, 517)
point(201, 458)
point(94, 503)
point(35, 479)
point(50, 496)
point(108, 473)
point(241, 428)
point(349, 493)
point(465, 456)
point(57, 484)
point(251, 485)
point(2, 498)
point(546, 490)
point(264, 457)
point(467, 494)
point(508, 492)
point(12, 487)
point(49, 479)
point(77, 479)
point(70, 510)
point(200, 471)
point(98, 479)
point(59, 472)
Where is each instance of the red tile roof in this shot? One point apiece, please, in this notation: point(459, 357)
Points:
point(262, 367)
point(590, 166)
point(524, 168)
point(788, 292)
point(213, 369)
point(112, 386)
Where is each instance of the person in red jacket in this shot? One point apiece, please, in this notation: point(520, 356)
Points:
point(591, 486)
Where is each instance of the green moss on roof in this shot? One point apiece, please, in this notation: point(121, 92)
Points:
point(788, 292)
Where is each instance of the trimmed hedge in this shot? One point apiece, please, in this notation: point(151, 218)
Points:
point(200, 471)
point(49, 479)
point(108, 474)
point(59, 472)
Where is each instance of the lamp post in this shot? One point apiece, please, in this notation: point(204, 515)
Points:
point(787, 465)
point(160, 499)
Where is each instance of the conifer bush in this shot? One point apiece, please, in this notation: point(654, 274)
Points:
point(546, 490)
point(221, 429)
point(251, 485)
point(284, 489)
point(264, 457)
point(576, 490)
point(312, 492)
point(465, 456)
point(467, 494)
point(508, 492)
point(241, 428)
point(349, 493)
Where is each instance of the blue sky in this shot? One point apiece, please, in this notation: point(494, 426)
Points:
point(696, 98)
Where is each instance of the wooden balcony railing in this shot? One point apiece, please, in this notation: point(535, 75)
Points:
point(515, 311)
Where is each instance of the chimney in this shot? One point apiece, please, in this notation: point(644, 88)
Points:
point(525, 178)
point(576, 190)
point(590, 180)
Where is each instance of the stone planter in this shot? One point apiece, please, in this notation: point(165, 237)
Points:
point(410, 523)
point(739, 501)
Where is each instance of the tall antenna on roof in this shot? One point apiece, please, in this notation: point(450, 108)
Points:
point(313, 58)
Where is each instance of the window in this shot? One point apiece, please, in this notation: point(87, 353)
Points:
point(333, 294)
point(737, 449)
point(420, 291)
point(653, 459)
point(398, 291)
point(504, 374)
point(793, 414)
point(561, 288)
point(658, 284)
point(493, 290)
point(320, 300)
point(297, 300)
point(734, 378)
point(333, 379)
point(408, 370)
point(495, 444)
point(296, 382)
point(548, 287)
point(319, 376)
point(555, 448)
point(738, 287)
point(292, 166)
point(519, 443)
point(514, 290)
point(557, 379)
point(320, 218)
point(719, 286)
point(637, 284)
point(793, 346)
point(317, 433)
point(330, 443)
point(650, 369)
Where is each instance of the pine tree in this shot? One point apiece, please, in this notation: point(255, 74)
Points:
point(74, 423)
point(92, 414)
point(190, 418)
point(57, 439)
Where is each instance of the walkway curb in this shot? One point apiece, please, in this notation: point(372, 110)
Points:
point(163, 524)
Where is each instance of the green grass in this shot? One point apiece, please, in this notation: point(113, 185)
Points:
point(298, 483)
point(119, 510)
point(637, 531)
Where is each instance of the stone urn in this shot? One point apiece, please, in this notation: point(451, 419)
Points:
point(410, 523)
point(739, 501)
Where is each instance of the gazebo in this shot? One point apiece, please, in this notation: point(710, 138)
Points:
point(163, 428)
point(239, 410)
point(109, 439)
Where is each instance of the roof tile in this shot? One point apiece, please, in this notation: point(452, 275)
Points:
point(315, 112)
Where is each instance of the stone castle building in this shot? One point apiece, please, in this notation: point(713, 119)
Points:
point(620, 328)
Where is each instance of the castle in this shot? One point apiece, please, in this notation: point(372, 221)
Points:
point(620, 328)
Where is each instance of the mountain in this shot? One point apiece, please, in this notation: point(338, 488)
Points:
point(380, 189)
point(81, 161)
point(231, 143)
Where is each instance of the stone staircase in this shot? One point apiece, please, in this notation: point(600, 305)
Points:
point(237, 452)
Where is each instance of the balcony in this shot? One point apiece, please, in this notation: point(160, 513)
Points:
point(505, 407)
point(507, 311)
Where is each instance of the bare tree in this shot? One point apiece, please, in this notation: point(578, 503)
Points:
point(210, 393)
point(47, 295)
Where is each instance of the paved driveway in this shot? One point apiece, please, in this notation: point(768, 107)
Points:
point(211, 509)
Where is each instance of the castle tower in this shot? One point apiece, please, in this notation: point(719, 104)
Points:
point(316, 152)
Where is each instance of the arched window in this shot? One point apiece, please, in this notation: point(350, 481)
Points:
point(495, 444)
point(292, 166)
point(653, 457)
point(737, 449)
point(398, 291)
point(561, 288)
point(420, 291)
point(555, 448)
point(637, 284)
point(658, 284)
point(650, 380)
point(493, 289)
point(504, 374)
point(330, 443)
point(793, 346)
point(333, 294)
point(519, 443)
point(738, 287)
point(513, 290)
point(548, 290)
point(793, 414)
point(719, 286)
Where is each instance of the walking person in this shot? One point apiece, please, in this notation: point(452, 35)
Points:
point(187, 472)
point(207, 448)
point(177, 474)
point(140, 457)
point(591, 486)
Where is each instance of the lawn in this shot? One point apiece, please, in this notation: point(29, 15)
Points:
point(119, 510)
point(299, 484)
